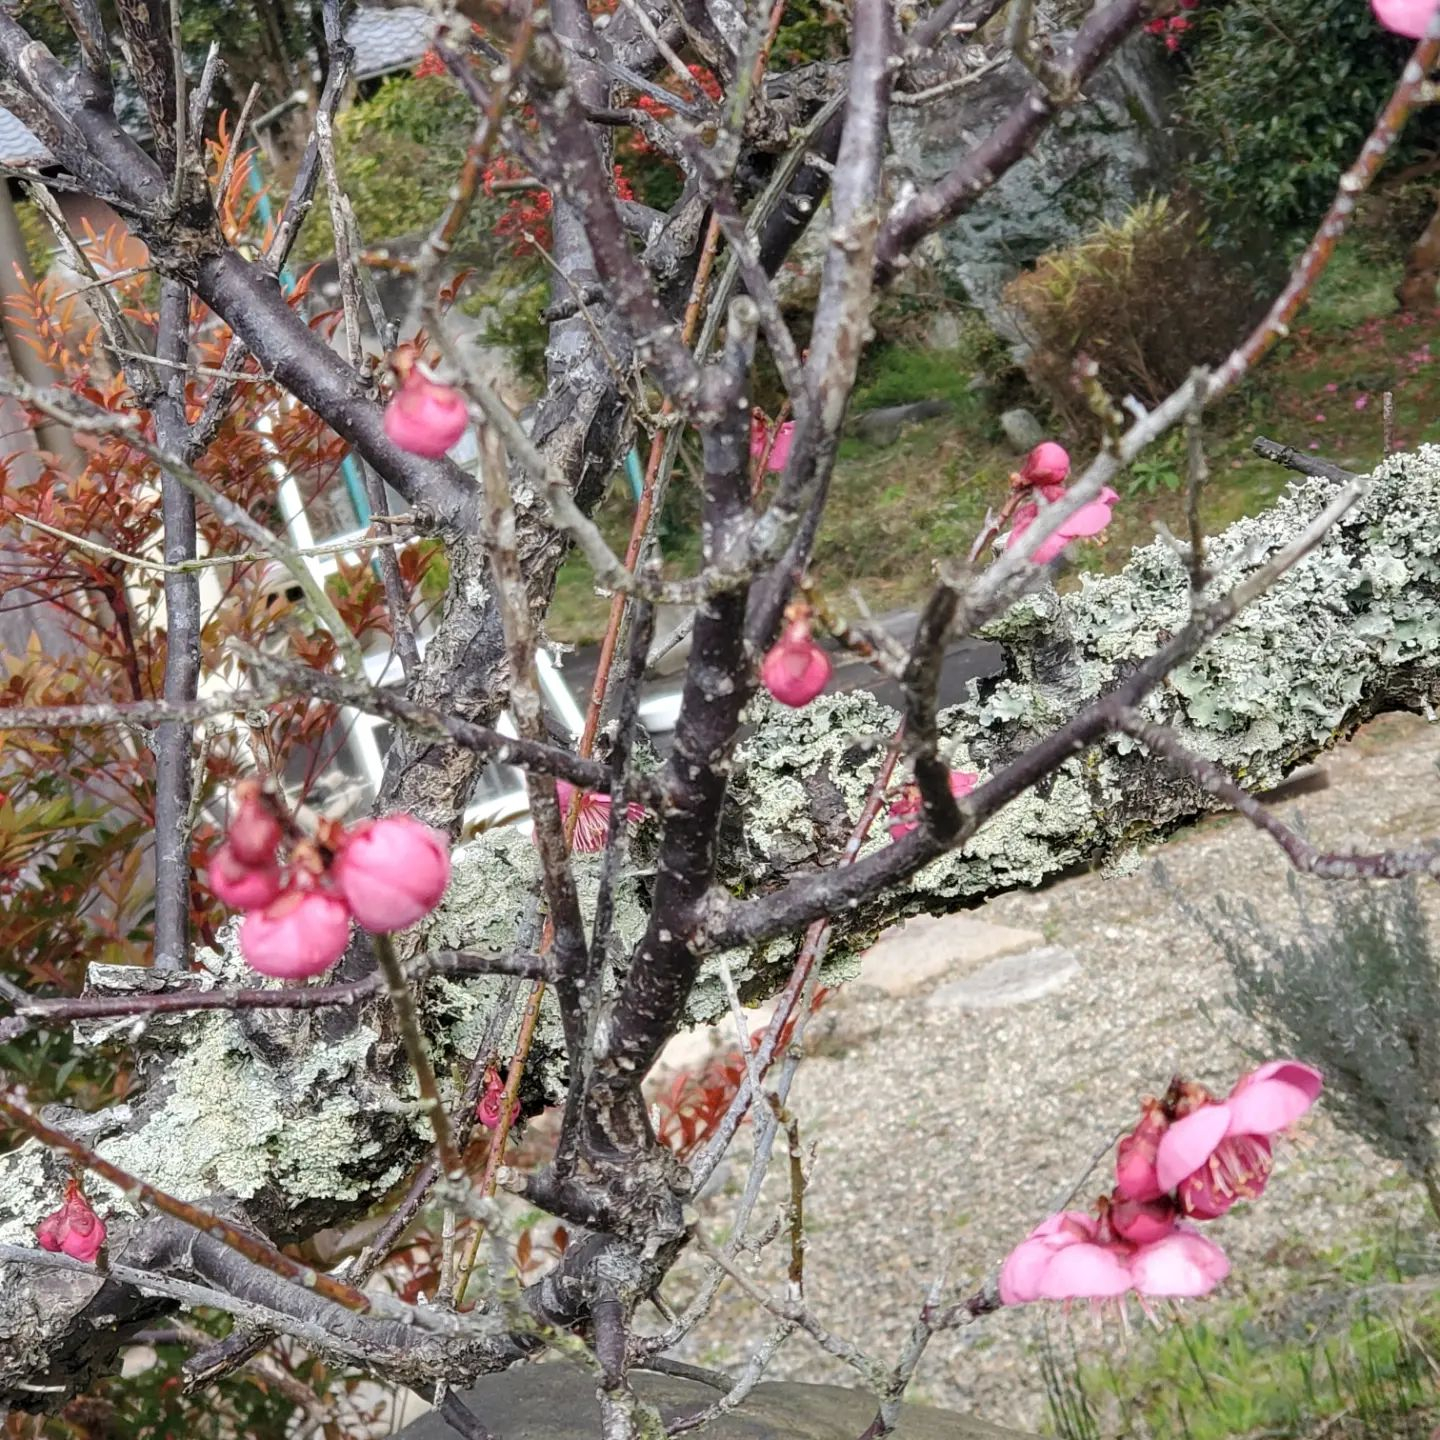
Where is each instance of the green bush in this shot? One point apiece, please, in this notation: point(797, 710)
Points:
point(1281, 94)
point(398, 154)
point(1146, 298)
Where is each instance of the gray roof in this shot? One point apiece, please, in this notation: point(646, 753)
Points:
point(386, 40)
point(383, 40)
point(18, 144)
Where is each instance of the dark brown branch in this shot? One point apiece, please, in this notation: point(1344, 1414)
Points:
point(174, 770)
point(1302, 464)
point(64, 1011)
point(1305, 857)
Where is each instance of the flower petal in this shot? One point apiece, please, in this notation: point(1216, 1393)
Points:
point(1084, 1272)
point(1089, 519)
point(1272, 1097)
point(1189, 1143)
point(1182, 1264)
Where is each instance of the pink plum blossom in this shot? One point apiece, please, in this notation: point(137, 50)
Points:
point(254, 831)
point(1217, 1152)
point(74, 1229)
point(392, 872)
point(779, 455)
point(1071, 1256)
point(795, 669)
point(1410, 18)
point(241, 886)
point(592, 824)
point(1047, 464)
point(425, 418)
point(301, 934)
point(1089, 520)
point(1362, 402)
point(908, 802)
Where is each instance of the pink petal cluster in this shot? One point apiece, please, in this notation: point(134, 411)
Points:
point(425, 418)
point(592, 824)
point(795, 669)
point(1074, 1256)
point(386, 873)
point(74, 1229)
point(1410, 18)
point(1215, 1152)
point(1088, 521)
point(778, 448)
point(1190, 1158)
point(908, 802)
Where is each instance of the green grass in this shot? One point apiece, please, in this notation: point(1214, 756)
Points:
point(1349, 1352)
point(895, 509)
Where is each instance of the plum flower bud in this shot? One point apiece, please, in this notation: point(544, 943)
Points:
point(425, 418)
point(392, 872)
point(1047, 464)
point(74, 1229)
point(1143, 1222)
point(488, 1110)
point(255, 831)
point(795, 669)
point(240, 886)
point(301, 934)
point(1135, 1177)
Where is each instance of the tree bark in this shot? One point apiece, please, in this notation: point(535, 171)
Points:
point(291, 1135)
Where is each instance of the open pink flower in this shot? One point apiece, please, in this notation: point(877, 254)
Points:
point(1410, 18)
point(301, 934)
point(74, 1229)
point(908, 802)
point(1072, 1256)
point(241, 886)
point(795, 669)
point(425, 418)
point(392, 872)
point(1047, 464)
point(1217, 1152)
point(592, 824)
point(779, 455)
point(1089, 520)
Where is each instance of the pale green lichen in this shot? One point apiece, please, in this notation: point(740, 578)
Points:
point(1301, 665)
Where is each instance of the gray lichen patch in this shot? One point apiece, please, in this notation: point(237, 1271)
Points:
point(1352, 629)
point(233, 1122)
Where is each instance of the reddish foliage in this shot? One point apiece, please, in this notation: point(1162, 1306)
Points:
point(693, 1106)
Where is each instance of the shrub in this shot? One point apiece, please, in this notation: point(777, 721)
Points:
point(1355, 990)
point(1280, 96)
point(1146, 297)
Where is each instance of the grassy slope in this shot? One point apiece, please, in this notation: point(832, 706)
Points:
point(896, 508)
